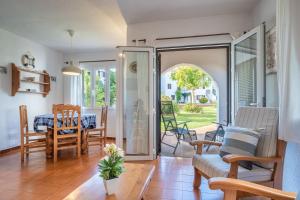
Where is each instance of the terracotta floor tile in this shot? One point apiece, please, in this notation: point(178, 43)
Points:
point(38, 178)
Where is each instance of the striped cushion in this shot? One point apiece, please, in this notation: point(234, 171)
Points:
point(240, 141)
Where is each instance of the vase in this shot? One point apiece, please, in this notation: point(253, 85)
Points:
point(111, 185)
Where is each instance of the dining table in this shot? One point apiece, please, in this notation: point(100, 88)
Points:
point(88, 121)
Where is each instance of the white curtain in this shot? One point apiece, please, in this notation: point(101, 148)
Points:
point(141, 121)
point(288, 49)
point(72, 90)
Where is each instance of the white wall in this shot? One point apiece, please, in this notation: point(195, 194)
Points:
point(188, 27)
point(92, 56)
point(266, 11)
point(12, 48)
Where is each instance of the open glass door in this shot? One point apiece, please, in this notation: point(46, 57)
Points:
point(248, 84)
point(136, 102)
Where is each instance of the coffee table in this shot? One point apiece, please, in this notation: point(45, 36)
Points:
point(132, 185)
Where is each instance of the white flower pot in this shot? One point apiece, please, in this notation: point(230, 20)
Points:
point(111, 185)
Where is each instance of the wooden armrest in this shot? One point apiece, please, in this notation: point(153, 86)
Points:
point(201, 142)
point(231, 158)
point(229, 185)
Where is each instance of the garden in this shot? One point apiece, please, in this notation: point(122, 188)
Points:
point(200, 111)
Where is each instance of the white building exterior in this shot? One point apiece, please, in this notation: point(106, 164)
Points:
point(169, 87)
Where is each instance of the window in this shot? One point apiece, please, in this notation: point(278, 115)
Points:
point(173, 97)
point(98, 86)
point(169, 86)
point(86, 88)
point(112, 87)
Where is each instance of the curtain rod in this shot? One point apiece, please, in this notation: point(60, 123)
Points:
point(192, 36)
point(91, 61)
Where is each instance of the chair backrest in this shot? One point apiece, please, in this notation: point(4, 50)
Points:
point(66, 117)
point(104, 113)
point(23, 118)
point(265, 121)
point(167, 114)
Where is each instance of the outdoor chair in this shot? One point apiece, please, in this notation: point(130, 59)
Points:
point(216, 135)
point(179, 129)
point(267, 161)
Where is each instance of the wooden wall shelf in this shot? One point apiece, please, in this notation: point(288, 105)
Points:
point(16, 80)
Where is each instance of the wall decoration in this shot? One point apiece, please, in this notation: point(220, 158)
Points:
point(271, 64)
point(133, 67)
point(28, 60)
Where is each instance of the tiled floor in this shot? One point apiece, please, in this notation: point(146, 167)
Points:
point(173, 179)
point(40, 179)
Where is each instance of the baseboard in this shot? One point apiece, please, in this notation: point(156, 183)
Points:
point(5, 151)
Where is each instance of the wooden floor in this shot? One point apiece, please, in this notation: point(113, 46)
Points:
point(40, 179)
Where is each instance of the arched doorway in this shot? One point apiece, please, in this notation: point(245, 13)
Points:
point(195, 98)
point(214, 63)
point(170, 89)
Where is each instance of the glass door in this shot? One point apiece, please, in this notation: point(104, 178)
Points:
point(248, 86)
point(135, 102)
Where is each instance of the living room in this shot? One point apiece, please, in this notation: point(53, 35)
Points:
point(94, 66)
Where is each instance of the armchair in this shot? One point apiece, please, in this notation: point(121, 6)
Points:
point(268, 162)
point(234, 189)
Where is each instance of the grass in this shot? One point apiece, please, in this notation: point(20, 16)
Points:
point(197, 119)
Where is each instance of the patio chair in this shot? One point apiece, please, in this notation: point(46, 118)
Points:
point(267, 161)
point(179, 129)
point(216, 135)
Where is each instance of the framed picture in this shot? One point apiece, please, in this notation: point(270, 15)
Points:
point(271, 57)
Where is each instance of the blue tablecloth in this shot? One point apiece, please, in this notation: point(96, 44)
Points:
point(87, 121)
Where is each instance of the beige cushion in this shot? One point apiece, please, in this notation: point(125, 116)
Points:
point(213, 166)
point(264, 120)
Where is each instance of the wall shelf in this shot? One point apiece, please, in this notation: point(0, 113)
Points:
point(16, 80)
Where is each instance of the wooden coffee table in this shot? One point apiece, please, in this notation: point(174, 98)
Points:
point(132, 185)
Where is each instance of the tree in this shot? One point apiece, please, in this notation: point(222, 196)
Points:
point(178, 94)
point(190, 78)
point(112, 87)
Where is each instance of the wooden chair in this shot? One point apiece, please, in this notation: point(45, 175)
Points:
point(67, 131)
point(235, 189)
point(268, 161)
point(97, 136)
point(30, 139)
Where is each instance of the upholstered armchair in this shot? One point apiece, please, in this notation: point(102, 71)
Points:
point(268, 159)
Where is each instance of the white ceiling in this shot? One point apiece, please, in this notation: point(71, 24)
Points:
point(138, 11)
point(98, 24)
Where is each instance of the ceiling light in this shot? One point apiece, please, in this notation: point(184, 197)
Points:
point(71, 69)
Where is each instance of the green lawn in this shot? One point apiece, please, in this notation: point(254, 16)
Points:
point(197, 119)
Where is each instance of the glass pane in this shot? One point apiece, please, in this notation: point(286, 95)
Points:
point(100, 87)
point(245, 72)
point(136, 103)
point(86, 80)
point(112, 87)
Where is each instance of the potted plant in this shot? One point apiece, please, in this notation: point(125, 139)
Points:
point(111, 167)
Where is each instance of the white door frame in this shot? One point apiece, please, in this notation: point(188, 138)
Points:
point(152, 101)
point(260, 67)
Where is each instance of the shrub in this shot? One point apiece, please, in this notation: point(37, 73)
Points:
point(203, 100)
point(193, 108)
point(175, 107)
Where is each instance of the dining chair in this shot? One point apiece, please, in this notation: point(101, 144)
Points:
point(30, 139)
point(67, 132)
point(97, 136)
